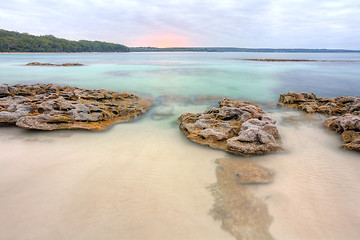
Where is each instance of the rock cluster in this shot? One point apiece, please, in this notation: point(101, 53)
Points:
point(50, 107)
point(309, 103)
point(52, 64)
point(348, 125)
point(344, 112)
point(238, 127)
point(280, 60)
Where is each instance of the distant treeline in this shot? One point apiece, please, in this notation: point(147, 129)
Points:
point(172, 49)
point(232, 49)
point(11, 41)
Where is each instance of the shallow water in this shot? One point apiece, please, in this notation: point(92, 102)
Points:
point(135, 181)
point(145, 180)
point(211, 74)
point(316, 189)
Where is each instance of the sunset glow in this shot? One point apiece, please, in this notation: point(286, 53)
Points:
point(164, 40)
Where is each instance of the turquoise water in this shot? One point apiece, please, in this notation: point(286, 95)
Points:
point(192, 74)
point(146, 180)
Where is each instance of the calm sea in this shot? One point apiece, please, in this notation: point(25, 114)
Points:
point(211, 74)
point(145, 180)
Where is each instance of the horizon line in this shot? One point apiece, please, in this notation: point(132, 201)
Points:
point(270, 48)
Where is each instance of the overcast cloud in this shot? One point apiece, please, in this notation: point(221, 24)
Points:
point(242, 23)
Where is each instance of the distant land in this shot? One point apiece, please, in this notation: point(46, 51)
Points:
point(233, 49)
point(11, 41)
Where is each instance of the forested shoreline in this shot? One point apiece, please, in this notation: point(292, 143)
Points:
point(11, 41)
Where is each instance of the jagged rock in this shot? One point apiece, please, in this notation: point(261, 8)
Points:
point(238, 127)
point(344, 114)
point(309, 103)
point(4, 90)
point(349, 136)
point(349, 127)
point(353, 145)
point(51, 64)
point(9, 117)
point(346, 122)
point(51, 107)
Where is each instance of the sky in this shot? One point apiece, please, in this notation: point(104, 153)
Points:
point(196, 23)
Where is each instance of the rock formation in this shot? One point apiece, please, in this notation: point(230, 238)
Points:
point(344, 112)
point(348, 125)
point(50, 107)
point(238, 127)
point(309, 103)
point(52, 64)
point(279, 60)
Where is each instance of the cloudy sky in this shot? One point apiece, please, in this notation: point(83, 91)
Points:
point(164, 23)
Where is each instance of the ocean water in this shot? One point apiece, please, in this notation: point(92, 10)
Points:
point(192, 74)
point(145, 180)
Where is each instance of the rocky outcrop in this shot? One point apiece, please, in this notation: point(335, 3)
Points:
point(51, 107)
point(52, 64)
point(344, 112)
point(238, 127)
point(308, 102)
point(348, 125)
point(279, 60)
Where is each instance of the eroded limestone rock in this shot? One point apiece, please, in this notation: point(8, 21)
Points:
point(308, 102)
point(50, 107)
point(348, 125)
point(344, 114)
point(238, 127)
point(52, 64)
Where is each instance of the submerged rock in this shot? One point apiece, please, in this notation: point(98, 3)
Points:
point(238, 127)
point(51, 107)
point(241, 213)
point(162, 112)
point(344, 114)
point(245, 171)
point(52, 64)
